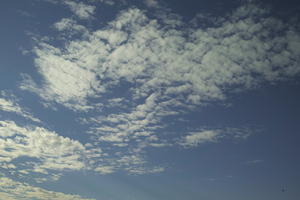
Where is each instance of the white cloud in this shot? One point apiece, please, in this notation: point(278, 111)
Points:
point(10, 105)
point(70, 25)
point(13, 190)
point(82, 10)
point(7, 166)
point(65, 82)
point(105, 169)
point(196, 138)
point(141, 170)
point(53, 152)
point(130, 125)
point(151, 3)
point(109, 2)
point(163, 67)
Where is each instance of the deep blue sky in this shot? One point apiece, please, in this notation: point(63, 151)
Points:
point(149, 100)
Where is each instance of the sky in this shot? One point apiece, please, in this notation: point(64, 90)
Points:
point(149, 100)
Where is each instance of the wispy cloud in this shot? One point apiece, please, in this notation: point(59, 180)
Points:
point(9, 104)
point(163, 67)
point(48, 150)
point(196, 138)
point(151, 3)
point(253, 162)
point(82, 10)
point(13, 190)
point(70, 25)
point(199, 67)
point(105, 169)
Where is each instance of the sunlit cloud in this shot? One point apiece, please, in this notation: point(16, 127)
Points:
point(9, 104)
point(13, 190)
point(164, 67)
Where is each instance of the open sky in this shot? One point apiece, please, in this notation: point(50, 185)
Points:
point(149, 100)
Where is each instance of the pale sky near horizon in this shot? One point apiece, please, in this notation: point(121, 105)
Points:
point(149, 100)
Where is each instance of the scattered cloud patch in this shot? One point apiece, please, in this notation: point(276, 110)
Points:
point(145, 70)
point(194, 69)
point(13, 190)
point(10, 105)
point(109, 2)
point(197, 138)
point(64, 81)
point(50, 151)
point(81, 10)
point(105, 169)
point(67, 24)
point(141, 170)
point(151, 3)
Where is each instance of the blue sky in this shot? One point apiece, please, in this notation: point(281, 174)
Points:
point(149, 100)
